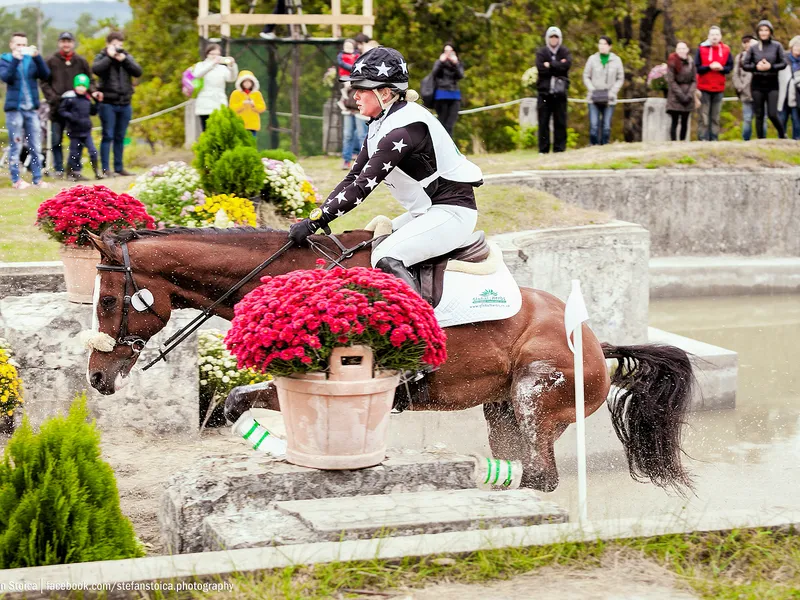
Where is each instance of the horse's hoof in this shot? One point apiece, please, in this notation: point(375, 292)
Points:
point(241, 399)
point(542, 481)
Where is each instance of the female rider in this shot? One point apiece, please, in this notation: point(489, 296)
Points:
point(410, 150)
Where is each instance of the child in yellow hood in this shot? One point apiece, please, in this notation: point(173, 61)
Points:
point(247, 102)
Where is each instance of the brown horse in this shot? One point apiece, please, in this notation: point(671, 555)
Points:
point(520, 369)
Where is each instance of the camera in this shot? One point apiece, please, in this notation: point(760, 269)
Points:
point(226, 60)
point(27, 50)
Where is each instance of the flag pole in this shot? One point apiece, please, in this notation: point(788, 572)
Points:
point(575, 314)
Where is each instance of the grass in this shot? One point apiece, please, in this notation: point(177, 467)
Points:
point(740, 564)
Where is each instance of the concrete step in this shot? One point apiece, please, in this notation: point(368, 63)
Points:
point(367, 517)
point(251, 482)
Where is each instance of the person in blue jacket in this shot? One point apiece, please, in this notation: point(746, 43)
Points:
point(20, 69)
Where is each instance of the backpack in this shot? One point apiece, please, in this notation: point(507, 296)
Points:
point(427, 90)
point(190, 84)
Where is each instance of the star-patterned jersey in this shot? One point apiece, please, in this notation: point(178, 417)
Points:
point(411, 149)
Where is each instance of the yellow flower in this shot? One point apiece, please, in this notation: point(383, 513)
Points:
point(10, 413)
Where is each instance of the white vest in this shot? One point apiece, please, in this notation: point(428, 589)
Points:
point(450, 163)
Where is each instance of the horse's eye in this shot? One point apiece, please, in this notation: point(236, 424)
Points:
point(108, 301)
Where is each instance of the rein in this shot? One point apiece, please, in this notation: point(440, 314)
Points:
point(141, 299)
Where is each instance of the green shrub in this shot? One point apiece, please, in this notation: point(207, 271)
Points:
point(238, 172)
point(58, 499)
point(524, 138)
point(279, 154)
point(224, 131)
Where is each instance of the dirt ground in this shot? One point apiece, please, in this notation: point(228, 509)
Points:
point(635, 579)
point(143, 464)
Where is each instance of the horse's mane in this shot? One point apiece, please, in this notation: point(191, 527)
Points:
point(128, 235)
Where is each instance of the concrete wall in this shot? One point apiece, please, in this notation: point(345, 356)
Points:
point(688, 212)
point(610, 260)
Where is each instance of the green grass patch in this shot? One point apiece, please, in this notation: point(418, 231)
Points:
point(745, 564)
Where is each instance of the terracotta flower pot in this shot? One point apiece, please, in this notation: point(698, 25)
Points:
point(80, 269)
point(340, 422)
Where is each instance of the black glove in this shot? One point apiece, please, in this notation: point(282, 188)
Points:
point(299, 232)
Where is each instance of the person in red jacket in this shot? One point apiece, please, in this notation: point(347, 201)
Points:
point(714, 61)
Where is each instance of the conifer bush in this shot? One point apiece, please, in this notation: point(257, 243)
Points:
point(238, 172)
point(58, 499)
point(224, 131)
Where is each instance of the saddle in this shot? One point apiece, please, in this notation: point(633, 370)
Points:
point(430, 273)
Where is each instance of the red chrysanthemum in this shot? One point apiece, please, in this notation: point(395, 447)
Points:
point(73, 212)
point(292, 322)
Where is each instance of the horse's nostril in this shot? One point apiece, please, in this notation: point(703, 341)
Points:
point(95, 379)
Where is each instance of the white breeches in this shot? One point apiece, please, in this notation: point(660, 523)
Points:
point(441, 229)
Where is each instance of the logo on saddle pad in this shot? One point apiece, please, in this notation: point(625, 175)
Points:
point(488, 297)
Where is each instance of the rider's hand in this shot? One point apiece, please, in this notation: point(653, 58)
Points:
point(300, 231)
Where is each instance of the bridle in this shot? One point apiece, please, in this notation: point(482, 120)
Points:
point(140, 299)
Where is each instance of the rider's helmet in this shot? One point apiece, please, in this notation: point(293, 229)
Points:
point(379, 68)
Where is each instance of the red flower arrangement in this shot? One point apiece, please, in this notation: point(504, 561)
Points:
point(73, 212)
point(292, 322)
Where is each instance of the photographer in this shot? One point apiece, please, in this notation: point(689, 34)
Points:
point(447, 71)
point(20, 69)
point(215, 71)
point(115, 68)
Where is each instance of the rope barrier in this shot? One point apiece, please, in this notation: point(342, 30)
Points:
point(572, 100)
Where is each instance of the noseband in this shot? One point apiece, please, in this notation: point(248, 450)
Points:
point(141, 299)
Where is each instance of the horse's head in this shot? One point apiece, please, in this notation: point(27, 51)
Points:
point(131, 304)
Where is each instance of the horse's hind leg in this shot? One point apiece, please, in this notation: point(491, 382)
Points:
point(535, 390)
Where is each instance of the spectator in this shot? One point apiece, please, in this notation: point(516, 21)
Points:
point(268, 33)
point(346, 58)
point(20, 69)
point(713, 61)
point(75, 109)
point(789, 80)
point(553, 61)
point(216, 71)
point(64, 65)
point(447, 71)
point(247, 101)
point(681, 85)
point(603, 77)
point(764, 60)
point(361, 39)
point(115, 68)
point(741, 82)
point(354, 127)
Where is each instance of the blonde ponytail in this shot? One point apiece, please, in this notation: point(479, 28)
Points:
point(412, 95)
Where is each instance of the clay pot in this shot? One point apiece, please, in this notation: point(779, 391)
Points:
point(80, 269)
point(340, 421)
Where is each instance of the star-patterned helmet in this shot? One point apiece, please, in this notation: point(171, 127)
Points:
point(378, 68)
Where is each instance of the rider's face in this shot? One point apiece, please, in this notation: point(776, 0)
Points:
point(368, 104)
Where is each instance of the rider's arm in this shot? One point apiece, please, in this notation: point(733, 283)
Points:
point(368, 172)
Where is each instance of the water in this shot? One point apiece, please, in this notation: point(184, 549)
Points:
point(746, 458)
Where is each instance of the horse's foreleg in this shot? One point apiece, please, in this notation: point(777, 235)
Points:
point(245, 397)
point(505, 436)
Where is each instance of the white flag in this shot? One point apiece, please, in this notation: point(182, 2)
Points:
point(575, 312)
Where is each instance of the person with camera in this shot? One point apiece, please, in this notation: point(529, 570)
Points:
point(553, 62)
point(603, 77)
point(116, 69)
point(64, 65)
point(447, 72)
point(20, 69)
point(215, 72)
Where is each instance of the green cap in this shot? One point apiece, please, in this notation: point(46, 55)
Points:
point(81, 79)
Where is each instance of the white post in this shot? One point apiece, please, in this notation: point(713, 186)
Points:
point(225, 12)
point(575, 314)
point(367, 12)
point(336, 11)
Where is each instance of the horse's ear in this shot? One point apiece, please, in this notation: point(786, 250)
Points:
point(101, 246)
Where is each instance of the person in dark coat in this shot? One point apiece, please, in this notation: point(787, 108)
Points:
point(64, 65)
point(553, 62)
point(764, 60)
point(681, 85)
point(76, 109)
point(116, 69)
point(447, 72)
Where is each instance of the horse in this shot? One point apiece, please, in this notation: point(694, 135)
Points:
point(519, 369)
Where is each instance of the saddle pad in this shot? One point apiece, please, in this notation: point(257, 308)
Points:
point(470, 298)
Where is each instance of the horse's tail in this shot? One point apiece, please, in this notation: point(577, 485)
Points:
point(656, 382)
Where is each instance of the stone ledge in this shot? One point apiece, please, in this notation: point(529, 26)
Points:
point(367, 517)
point(225, 485)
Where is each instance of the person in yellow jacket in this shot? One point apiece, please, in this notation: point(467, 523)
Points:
point(247, 102)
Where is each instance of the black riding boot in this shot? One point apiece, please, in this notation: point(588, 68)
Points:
point(398, 269)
